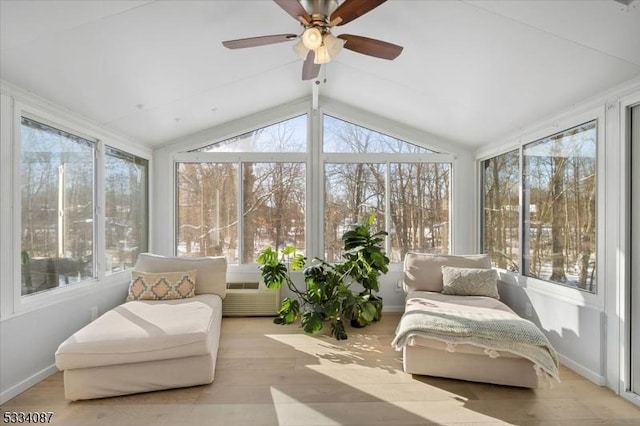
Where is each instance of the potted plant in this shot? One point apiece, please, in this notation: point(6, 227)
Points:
point(327, 295)
point(365, 263)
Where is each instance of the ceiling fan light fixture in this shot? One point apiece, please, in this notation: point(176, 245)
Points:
point(312, 38)
point(334, 44)
point(322, 55)
point(301, 50)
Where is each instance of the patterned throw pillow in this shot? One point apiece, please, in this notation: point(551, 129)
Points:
point(161, 285)
point(470, 282)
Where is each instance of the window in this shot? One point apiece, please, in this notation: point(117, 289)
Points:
point(501, 209)
point(237, 208)
point(207, 213)
point(389, 177)
point(57, 174)
point(419, 208)
point(240, 195)
point(286, 136)
point(126, 206)
point(352, 193)
point(559, 199)
point(343, 137)
point(558, 218)
point(58, 208)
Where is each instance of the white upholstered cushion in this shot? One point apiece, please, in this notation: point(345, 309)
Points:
point(142, 331)
point(211, 275)
point(423, 272)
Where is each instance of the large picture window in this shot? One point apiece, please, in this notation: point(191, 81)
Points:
point(559, 199)
point(558, 194)
point(58, 208)
point(57, 173)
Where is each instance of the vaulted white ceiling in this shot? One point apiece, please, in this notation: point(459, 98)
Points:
point(471, 71)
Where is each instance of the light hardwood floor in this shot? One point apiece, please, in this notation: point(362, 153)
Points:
point(276, 375)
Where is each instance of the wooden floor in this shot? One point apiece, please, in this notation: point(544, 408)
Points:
point(276, 375)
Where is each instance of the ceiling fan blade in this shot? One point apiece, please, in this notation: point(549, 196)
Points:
point(370, 46)
point(352, 9)
point(309, 69)
point(258, 41)
point(293, 8)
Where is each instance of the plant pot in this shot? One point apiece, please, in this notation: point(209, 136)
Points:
point(358, 323)
point(377, 302)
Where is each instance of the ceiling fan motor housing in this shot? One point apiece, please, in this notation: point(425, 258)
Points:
point(321, 7)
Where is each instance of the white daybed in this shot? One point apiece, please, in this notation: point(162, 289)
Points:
point(148, 345)
point(468, 337)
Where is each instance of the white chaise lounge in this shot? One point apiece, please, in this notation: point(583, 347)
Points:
point(467, 334)
point(148, 345)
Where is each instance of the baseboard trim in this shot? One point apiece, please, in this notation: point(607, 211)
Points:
point(631, 397)
point(17, 389)
point(583, 371)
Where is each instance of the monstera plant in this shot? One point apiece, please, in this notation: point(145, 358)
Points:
point(327, 295)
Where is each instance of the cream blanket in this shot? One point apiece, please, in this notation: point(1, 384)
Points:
point(439, 317)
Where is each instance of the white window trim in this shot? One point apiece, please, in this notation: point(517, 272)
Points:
point(559, 291)
point(13, 302)
point(619, 303)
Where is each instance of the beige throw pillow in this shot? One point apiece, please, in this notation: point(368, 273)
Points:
point(161, 285)
point(470, 282)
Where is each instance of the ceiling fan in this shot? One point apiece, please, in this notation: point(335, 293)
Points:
point(317, 45)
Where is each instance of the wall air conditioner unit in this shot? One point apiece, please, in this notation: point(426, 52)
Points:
point(250, 299)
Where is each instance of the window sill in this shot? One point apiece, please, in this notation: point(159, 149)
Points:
point(34, 302)
point(556, 291)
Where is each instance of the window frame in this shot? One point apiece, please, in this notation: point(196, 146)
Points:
point(386, 159)
point(13, 302)
point(145, 201)
point(239, 159)
point(315, 159)
point(481, 224)
point(518, 141)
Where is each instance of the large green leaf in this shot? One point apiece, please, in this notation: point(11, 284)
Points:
point(289, 311)
point(311, 322)
point(268, 256)
point(337, 329)
point(298, 262)
point(273, 275)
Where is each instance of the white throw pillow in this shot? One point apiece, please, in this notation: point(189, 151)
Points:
point(470, 282)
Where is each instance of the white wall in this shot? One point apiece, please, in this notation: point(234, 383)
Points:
point(32, 327)
point(588, 330)
point(463, 177)
point(574, 329)
point(28, 341)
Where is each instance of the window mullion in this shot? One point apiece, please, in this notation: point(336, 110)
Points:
point(315, 210)
point(240, 211)
point(99, 212)
point(387, 207)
